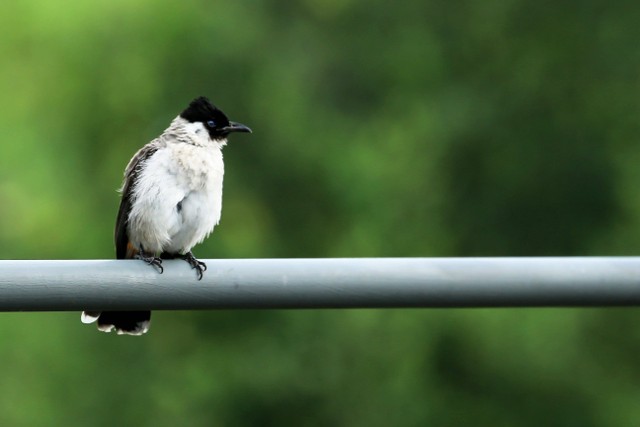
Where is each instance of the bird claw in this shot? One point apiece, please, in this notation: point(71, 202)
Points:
point(152, 260)
point(200, 266)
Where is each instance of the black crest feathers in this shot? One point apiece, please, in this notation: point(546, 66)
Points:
point(201, 110)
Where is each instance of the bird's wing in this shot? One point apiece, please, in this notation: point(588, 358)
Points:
point(124, 248)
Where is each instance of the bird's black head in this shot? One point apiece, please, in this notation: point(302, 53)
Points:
point(213, 119)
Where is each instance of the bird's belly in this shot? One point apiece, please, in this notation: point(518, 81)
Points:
point(177, 200)
point(195, 217)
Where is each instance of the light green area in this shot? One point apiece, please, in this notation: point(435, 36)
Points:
point(415, 128)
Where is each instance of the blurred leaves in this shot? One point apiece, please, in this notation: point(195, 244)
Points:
point(501, 128)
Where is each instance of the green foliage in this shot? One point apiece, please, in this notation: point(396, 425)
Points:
point(410, 129)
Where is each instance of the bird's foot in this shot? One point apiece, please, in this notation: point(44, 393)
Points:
point(200, 266)
point(151, 260)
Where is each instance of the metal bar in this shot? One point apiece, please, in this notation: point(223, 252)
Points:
point(321, 283)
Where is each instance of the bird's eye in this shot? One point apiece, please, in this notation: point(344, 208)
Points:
point(211, 124)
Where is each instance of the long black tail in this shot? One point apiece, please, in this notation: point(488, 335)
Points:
point(123, 322)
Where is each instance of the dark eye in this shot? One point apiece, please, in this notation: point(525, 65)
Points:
point(211, 124)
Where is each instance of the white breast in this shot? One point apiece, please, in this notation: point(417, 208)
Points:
point(178, 197)
point(199, 176)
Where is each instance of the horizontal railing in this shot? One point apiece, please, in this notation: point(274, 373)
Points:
point(320, 283)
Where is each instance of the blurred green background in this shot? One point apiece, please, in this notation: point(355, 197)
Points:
point(415, 128)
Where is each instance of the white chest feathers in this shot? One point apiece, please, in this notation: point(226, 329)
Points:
point(177, 198)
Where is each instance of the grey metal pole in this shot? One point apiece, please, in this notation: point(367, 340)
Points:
point(321, 283)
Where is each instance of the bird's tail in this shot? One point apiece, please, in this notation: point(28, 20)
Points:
point(123, 322)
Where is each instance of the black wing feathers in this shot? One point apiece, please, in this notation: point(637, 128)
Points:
point(130, 179)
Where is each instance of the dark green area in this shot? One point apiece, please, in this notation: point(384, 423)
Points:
point(417, 128)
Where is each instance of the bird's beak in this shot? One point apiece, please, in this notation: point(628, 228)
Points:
point(236, 127)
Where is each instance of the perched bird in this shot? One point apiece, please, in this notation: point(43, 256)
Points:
point(171, 200)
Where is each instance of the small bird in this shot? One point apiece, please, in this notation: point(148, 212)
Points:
point(171, 200)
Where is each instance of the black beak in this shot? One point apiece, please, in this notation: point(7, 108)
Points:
point(235, 127)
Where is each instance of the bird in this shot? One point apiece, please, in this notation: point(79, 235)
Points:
point(171, 200)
